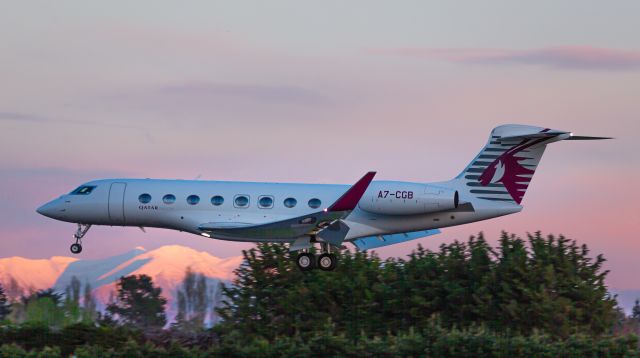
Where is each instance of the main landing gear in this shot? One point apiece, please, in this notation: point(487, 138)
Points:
point(80, 232)
point(325, 261)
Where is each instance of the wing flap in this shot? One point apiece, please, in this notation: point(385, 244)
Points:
point(223, 225)
point(371, 242)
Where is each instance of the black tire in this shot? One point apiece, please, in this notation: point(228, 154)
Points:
point(76, 249)
point(327, 262)
point(305, 261)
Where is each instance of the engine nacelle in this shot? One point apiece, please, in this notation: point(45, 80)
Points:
point(398, 198)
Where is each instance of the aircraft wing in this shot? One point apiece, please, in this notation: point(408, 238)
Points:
point(371, 242)
point(294, 227)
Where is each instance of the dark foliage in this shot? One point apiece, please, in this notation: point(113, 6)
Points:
point(542, 297)
point(548, 285)
point(635, 311)
point(38, 336)
point(55, 297)
point(139, 303)
point(434, 341)
point(5, 307)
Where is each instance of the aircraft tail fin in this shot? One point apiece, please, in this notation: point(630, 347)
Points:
point(503, 169)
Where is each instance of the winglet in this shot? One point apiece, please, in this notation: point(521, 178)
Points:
point(350, 199)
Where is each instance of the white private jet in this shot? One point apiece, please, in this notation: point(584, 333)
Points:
point(369, 214)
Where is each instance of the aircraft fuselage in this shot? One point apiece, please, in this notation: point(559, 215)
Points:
point(185, 204)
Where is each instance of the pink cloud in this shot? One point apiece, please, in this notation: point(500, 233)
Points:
point(562, 57)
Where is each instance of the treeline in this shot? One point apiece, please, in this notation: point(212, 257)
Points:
point(137, 303)
point(51, 308)
point(83, 340)
point(548, 285)
point(543, 296)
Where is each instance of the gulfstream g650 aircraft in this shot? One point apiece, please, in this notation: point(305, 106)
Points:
point(368, 214)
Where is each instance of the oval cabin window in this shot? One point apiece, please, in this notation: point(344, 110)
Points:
point(315, 203)
point(290, 202)
point(144, 198)
point(169, 199)
point(217, 200)
point(265, 202)
point(241, 201)
point(193, 199)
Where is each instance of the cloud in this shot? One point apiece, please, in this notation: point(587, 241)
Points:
point(283, 94)
point(210, 101)
point(560, 57)
point(16, 116)
point(31, 118)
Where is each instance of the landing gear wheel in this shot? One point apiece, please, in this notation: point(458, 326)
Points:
point(80, 232)
point(76, 248)
point(305, 261)
point(327, 262)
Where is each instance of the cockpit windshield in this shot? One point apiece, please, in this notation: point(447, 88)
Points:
point(83, 190)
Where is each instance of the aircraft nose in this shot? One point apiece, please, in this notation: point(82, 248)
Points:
point(52, 209)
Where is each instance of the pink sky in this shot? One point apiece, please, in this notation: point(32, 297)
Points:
point(219, 92)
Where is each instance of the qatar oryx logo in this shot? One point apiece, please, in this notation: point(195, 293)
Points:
point(507, 170)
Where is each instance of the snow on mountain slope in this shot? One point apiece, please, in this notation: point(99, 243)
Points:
point(166, 265)
point(32, 275)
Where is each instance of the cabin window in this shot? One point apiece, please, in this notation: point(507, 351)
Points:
point(290, 202)
point(315, 203)
point(83, 190)
point(241, 201)
point(144, 198)
point(193, 199)
point(217, 200)
point(169, 199)
point(265, 202)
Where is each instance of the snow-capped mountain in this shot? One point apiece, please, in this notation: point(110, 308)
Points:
point(31, 275)
point(166, 265)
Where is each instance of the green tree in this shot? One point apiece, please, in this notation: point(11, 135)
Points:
point(44, 307)
point(546, 284)
point(635, 311)
point(193, 300)
point(5, 307)
point(90, 311)
point(139, 303)
point(79, 308)
point(72, 301)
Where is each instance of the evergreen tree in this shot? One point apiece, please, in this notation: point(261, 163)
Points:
point(13, 290)
point(5, 307)
point(635, 311)
point(139, 303)
point(546, 284)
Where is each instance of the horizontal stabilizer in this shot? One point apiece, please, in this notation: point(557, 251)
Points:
point(535, 135)
point(371, 242)
point(584, 137)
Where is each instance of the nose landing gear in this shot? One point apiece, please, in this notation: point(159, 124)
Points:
point(80, 232)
